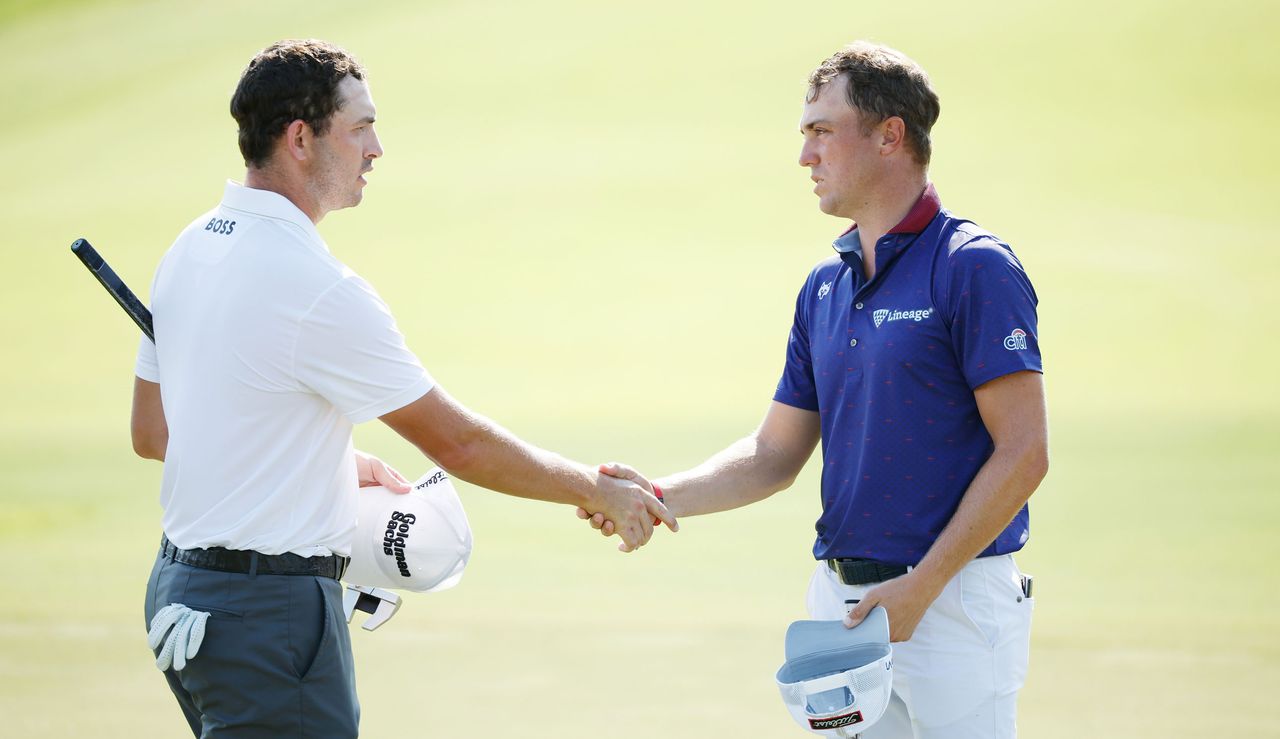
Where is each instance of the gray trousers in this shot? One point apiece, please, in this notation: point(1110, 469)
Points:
point(276, 657)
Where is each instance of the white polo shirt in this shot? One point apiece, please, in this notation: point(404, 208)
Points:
point(268, 350)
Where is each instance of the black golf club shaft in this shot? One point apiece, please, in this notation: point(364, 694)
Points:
point(114, 285)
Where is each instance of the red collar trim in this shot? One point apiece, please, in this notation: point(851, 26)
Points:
point(921, 214)
point(918, 218)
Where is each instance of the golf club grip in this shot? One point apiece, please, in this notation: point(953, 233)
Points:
point(114, 285)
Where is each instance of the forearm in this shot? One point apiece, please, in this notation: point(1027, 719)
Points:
point(490, 456)
point(999, 490)
point(147, 425)
point(745, 472)
point(474, 448)
point(750, 469)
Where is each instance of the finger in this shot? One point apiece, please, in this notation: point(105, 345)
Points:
point(658, 513)
point(181, 633)
point(160, 623)
point(621, 471)
point(625, 472)
point(197, 633)
point(860, 611)
point(165, 659)
point(388, 478)
point(607, 528)
point(582, 513)
point(646, 528)
point(631, 537)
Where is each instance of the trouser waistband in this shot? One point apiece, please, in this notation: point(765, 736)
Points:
point(250, 562)
point(864, 571)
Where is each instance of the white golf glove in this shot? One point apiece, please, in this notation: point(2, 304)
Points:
point(185, 628)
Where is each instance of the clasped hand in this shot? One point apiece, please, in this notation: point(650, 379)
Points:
point(635, 522)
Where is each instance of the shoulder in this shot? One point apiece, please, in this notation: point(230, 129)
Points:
point(825, 271)
point(965, 246)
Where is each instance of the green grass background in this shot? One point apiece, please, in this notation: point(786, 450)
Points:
point(591, 226)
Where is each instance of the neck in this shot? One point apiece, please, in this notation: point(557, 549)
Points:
point(267, 178)
point(890, 203)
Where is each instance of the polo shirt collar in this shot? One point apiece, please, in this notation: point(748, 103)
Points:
point(916, 220)
point(269, 204)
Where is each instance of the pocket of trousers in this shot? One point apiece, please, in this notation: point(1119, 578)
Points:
point(215, 612)
point(980, 599)
point(309, 624)
point(991, 596)
point(992, 601)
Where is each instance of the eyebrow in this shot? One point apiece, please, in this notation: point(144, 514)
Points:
point(814, 124)
point(366, 120)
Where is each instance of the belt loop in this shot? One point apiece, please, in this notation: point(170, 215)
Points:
point(253, 563)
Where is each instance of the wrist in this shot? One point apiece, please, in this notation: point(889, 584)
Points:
point(657, 493)
point(930, 578)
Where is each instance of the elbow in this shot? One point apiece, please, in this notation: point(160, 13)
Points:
point(147, 448)
point(1036, 463)
point(149, 445)
point(457, 457)
point(784, 481)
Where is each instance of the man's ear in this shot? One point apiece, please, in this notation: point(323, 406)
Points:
point(893, 135)
point(297, 140)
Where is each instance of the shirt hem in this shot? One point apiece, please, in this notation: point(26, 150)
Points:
point(393, 403)
point(796, 403)
point(989, 375)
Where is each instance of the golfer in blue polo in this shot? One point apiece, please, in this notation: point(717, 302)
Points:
point(914, 358)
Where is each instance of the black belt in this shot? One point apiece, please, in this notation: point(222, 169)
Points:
point(864, 571)
point(250, 562)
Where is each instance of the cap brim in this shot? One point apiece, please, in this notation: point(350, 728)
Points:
point(808, 637)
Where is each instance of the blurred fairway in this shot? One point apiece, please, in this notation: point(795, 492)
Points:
point(591, 226)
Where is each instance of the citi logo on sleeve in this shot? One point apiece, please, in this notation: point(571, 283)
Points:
point(917, 315)
point(1016, 341)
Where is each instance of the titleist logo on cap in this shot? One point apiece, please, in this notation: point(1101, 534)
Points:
point(836, 722)
point(394, 538)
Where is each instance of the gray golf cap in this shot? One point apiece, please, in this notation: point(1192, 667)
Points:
point(836, 681)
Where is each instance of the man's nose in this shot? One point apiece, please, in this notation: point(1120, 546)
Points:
point(808, 157)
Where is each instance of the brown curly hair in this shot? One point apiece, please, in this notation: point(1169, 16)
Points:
point(881, 82)
point(289, 80)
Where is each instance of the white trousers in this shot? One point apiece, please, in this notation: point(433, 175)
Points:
point(958, 676)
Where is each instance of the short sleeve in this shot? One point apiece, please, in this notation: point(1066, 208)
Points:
point(145, 365)
point(350, 352)
point(796, 387)
point(991, 306)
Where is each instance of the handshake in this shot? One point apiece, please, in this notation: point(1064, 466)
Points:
point(614, 498)
point(626, 504)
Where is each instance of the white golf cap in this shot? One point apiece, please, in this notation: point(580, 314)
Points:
point(837, 681)
point(417, 541)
